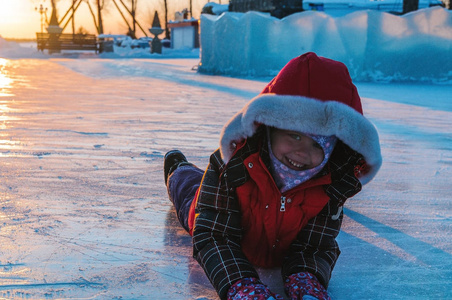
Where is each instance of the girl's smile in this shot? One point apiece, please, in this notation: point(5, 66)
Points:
point(295, 164)
point(295, 150)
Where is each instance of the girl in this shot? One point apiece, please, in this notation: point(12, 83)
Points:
point(273, 192)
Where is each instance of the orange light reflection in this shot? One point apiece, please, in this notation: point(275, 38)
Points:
point(6, 83)
point(5, 80)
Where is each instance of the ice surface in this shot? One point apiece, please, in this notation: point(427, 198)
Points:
point(375, 46)
point(83, 208)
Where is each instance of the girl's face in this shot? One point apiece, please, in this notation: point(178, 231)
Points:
point(295, 150)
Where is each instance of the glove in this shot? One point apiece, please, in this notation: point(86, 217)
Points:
point(304, 286)
point(251, 289)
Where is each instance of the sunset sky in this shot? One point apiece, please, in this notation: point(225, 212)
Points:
point(21, 19)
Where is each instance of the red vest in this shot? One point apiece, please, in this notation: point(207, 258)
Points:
point(271, 220)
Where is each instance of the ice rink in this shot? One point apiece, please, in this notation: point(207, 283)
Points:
point(83, 207)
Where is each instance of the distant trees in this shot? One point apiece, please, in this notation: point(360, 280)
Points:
point(131, 12)
point(167, 33)
point(100, 26)
point(82, 30)
point(99, 5)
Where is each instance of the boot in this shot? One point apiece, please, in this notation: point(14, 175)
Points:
point(173, 160)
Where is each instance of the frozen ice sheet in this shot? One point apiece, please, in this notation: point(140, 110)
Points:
point(84, 211)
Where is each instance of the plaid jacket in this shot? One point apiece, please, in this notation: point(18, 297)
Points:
point(218, 232)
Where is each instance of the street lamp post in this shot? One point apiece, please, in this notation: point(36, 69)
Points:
point(43, 12)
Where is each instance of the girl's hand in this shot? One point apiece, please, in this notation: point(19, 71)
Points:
point(304, 286)
point(251, 289)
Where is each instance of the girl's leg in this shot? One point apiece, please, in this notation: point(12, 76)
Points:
point(182, 186)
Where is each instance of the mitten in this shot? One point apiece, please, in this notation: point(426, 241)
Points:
point(251, 289)
point(304, 286)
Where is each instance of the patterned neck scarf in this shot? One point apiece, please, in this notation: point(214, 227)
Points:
point(286, 178)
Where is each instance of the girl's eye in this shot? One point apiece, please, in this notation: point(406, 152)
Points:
point(295, 136)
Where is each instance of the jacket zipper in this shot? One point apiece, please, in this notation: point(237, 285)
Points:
point(283, 204)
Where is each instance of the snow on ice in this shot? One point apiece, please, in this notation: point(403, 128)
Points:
point(83, 208)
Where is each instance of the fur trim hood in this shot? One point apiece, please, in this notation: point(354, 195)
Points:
point(313, 95)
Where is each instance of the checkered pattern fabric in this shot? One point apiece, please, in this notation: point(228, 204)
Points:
point(218, 232)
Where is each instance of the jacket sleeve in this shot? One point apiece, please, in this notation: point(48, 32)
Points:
point(217, 233)
point(315, 250)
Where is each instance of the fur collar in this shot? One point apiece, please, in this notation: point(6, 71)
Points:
point(307, 115)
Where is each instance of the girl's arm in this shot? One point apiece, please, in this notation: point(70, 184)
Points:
point(315, 250)
point(217, 233)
